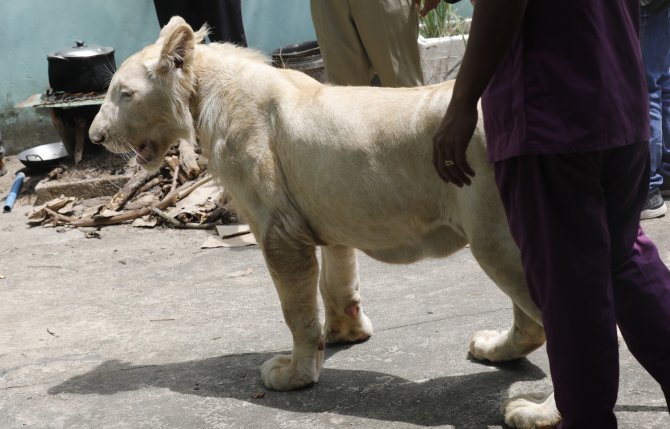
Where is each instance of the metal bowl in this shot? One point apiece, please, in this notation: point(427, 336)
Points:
point(44, 156)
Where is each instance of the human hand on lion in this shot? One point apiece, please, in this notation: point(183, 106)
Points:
point(451, 141)
point(495, 24)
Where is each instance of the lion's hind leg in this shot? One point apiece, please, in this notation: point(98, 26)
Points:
point(495, 251)
point(532, 411)
point(294, 269)
point(525, 336)
point(339, 284)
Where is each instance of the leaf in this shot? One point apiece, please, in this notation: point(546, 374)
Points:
point(240, 273)
point(226, 231)
point(145, 222)
point(258, 395)
point(39, 214)
point(93, 234)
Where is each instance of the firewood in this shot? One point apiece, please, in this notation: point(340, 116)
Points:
point(172, 197)
point(150, 184)
point(173, 162)
point(121, 198)
point(180, 225)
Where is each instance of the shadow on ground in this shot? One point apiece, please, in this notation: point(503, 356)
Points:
point(471, 400)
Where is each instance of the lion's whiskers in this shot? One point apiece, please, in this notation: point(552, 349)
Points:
point(109, 70)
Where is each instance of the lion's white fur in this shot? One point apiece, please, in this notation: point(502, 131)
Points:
point(311, 165)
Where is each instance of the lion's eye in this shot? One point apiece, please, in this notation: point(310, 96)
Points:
point(126, 93)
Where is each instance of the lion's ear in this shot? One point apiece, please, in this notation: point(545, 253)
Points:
point(167, 29)
point(178, 47)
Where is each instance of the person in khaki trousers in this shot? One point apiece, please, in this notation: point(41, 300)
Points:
point(359, 38)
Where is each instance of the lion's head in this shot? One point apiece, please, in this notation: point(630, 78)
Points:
point(146, 108)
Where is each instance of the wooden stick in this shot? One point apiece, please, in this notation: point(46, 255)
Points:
point(194, 186)
point(176, 224)
point(167, 218)
point(80, 139)
point(58, 218)
point(129, 190)
point(173, 162)
point(150, 184)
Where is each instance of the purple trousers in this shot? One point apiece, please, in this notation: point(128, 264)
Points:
point(589, 266)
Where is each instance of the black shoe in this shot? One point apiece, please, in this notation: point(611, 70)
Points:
point(654, 207)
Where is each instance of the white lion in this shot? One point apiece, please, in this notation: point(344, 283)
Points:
point(309, 165)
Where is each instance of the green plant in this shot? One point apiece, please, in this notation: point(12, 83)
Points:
point(442, 21)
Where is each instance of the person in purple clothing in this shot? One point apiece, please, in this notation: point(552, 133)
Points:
point(566, 117)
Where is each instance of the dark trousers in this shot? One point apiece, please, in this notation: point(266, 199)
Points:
point(589, 266)
point(223, 16)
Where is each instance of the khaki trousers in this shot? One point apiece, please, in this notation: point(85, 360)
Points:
point(359, 38)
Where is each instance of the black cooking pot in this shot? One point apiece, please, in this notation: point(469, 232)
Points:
point(81, 68)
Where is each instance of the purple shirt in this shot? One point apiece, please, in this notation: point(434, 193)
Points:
point(572, 81)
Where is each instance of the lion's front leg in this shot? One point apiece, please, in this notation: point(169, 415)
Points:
point(525, 336)
point(345, 320)
point(294, 270)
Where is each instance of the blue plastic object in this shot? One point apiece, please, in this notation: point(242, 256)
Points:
point(16, 188)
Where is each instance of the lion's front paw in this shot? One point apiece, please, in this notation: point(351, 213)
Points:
point(282, 372)
point(495, 346)
point(488, 346)
point(532, 411)
point(352, 327)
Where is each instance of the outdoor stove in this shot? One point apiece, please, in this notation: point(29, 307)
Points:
point(71, 114)
point(51, 97)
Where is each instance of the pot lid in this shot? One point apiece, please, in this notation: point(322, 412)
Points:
point(82, 50)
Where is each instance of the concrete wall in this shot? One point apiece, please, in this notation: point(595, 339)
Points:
point(29, 29)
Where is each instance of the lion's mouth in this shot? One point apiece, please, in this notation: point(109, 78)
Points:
point(146, 152)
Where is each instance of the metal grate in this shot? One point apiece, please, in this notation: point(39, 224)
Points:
point(58, 97)
point(62, 99)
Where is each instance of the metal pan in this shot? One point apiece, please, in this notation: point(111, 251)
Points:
point(43, 157)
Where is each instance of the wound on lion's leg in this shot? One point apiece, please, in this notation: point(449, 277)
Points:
point(339, 285)
point(348, 327)
point(353, 309)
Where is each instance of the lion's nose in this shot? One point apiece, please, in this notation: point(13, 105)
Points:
point(96, 137)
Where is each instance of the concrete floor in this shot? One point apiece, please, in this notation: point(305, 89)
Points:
point(143, 329)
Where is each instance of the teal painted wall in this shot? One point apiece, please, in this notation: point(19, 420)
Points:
point(270, 24)
point(29, 29)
